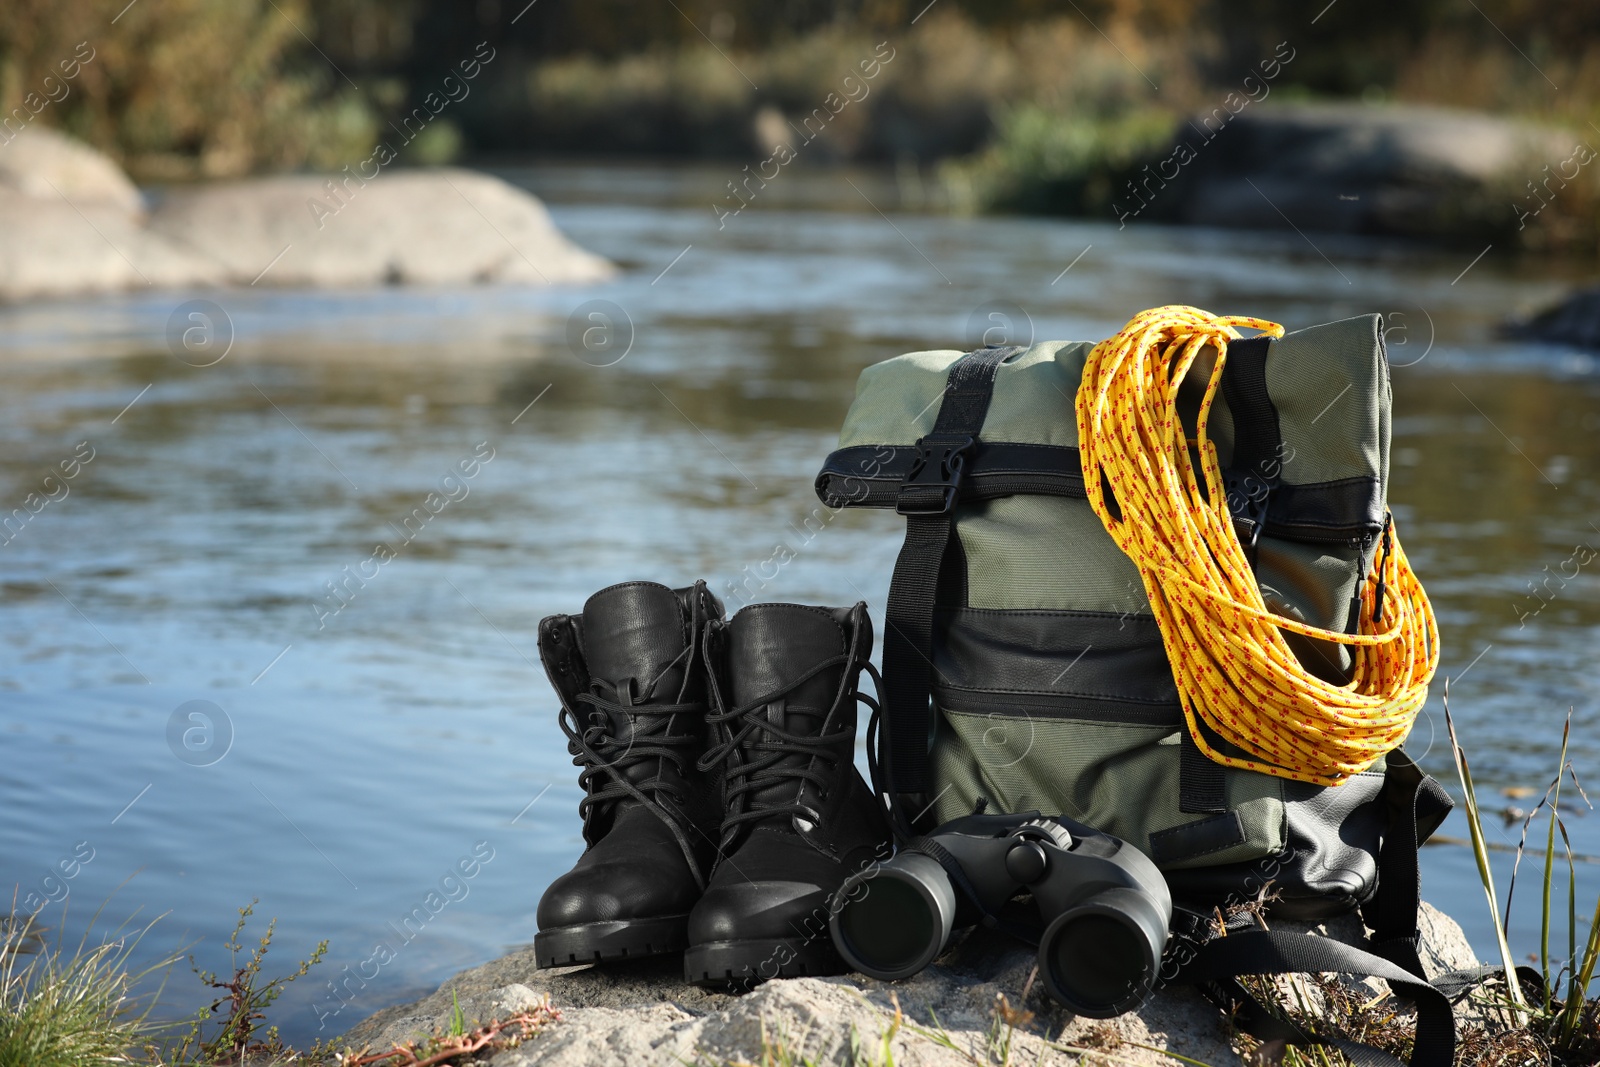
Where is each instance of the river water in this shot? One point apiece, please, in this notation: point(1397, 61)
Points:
point(345, 761)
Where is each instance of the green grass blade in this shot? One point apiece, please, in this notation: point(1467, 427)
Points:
point(1550, 865)
point(1582, 975)
point(1544, 912)
point(1572, 905)
point(1481, 854)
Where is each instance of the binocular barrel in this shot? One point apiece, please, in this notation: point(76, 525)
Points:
point(1106, 907)
point(894, 918)
point(1101, 958)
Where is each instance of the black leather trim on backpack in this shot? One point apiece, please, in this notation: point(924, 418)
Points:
point(1327, 866)
point(1051, 706)
point(1112, 656)
point(1355, 845)
point(1201, 838)
point(1345, 510)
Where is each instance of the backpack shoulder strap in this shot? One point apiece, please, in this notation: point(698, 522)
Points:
point(1217, 965)
point(927, 498)
point(1414, 805)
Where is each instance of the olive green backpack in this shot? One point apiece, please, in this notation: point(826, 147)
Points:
point(1013, 609)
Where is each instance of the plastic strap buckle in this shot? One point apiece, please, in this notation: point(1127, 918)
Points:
point(931, 485)
point(1248, 496)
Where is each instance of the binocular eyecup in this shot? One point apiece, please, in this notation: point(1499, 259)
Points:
point(1105, 905)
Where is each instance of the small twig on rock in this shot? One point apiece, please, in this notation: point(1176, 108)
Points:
point(439, 1050)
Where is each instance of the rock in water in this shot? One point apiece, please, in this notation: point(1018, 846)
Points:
point(1574, 321)
point(71, 223)
point(644, 1015)
point(1413, 171)
point(429, 227)
point(42, 164)
point(53, 247)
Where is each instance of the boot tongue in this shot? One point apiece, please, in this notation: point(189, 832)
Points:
point(769, 647)
point(631, 632)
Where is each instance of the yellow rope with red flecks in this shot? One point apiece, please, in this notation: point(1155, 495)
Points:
point(1234, 670)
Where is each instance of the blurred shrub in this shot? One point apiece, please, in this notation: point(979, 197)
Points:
point(365, 36)
point(941, 94)
point(1453, 69)
point(1045, 161)
point(186, 88)
point(438, 143)
point(1073, 132)
point(687, 101)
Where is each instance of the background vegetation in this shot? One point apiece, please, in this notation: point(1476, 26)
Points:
point(221, 87)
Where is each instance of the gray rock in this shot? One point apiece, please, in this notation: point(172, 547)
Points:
point(1345, 167)
point(443, 226)
point(71, 223)
point(1573, 321)
point(55, 247)
point(45, 165)
point(644, 1014)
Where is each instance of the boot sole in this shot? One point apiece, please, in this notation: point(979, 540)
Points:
point(724, 964)
point(631, 939)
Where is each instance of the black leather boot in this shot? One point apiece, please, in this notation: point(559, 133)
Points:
point(633, 705)
point(798, 820)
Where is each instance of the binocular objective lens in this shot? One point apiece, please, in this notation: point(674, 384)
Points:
point(888, 925)
point(1099, 961)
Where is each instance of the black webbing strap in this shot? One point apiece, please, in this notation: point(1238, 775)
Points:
point(1202, 783)
point(927, 499)
point(1217, 965)
point(1257, 465)
point(1410, 799)
point(1457, 984)
point(1414, 804)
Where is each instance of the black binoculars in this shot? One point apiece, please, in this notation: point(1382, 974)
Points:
point(1105, 906)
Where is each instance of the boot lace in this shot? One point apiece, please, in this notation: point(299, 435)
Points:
point(753, 749)
point(600, 755)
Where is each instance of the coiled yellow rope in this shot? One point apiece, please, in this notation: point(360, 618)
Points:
point(1235, 672)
